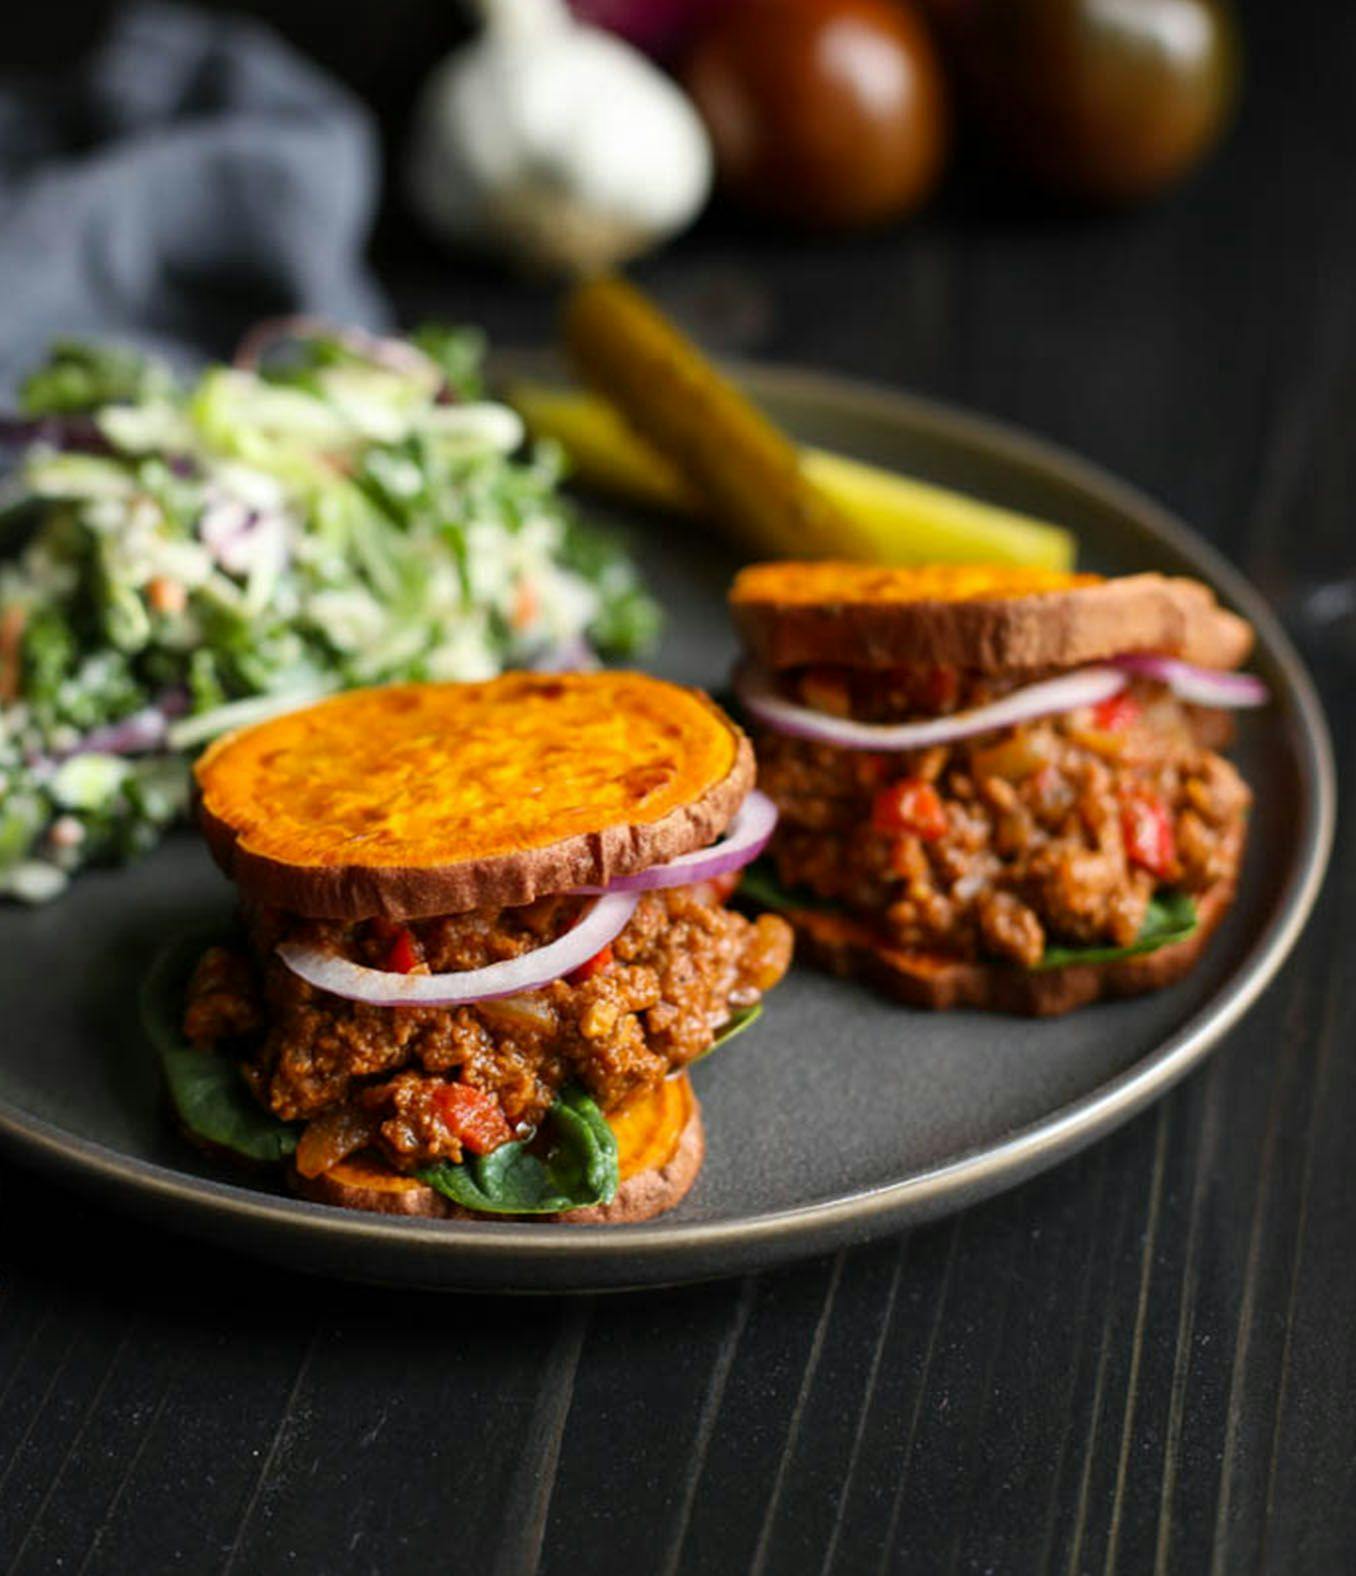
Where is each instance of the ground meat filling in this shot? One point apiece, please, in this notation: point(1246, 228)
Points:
point(421, 1084)
point(1058, 831)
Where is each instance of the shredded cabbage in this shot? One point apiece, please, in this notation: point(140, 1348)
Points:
point(195, 556)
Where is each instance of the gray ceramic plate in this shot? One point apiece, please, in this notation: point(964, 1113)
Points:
point(937, 1111)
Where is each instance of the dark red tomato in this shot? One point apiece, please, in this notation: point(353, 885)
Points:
point(1108, 100)
point(475, 1117)
point(910, 805)
point(827, 113)
point(1147, 829)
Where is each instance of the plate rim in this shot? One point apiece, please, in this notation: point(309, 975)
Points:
point(513, 1256)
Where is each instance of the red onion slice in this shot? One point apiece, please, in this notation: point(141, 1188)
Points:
point(745, 838)
point(1083, 687)
point(143, 731)
point(1199, 686)
point(603, 923)
point(396, 355)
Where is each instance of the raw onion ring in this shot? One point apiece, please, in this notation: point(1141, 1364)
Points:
point(381, 988)
point(1083, 687)
point(744, 839)
point(1199, 686)
point(1066, 692)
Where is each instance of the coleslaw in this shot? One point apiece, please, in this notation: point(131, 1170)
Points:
point(185, 557)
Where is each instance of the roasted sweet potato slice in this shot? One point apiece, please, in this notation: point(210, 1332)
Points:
point(660, 1143)
point(992, 618)
point(660, 1148)
point(364, 1182)
point(422, 799)
point(836, 581)
point(648, 1129)
point(849, 948)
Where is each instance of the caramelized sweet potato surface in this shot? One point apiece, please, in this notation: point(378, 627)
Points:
point(791, 581)
point(408, 773)
point(421, 799)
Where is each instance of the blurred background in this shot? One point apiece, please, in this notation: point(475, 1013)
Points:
point(864, 136)
point(1110, 220)
point(887, 171)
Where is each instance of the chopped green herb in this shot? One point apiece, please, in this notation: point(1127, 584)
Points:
point(79, 377)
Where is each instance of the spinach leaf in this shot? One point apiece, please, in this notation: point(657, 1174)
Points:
point(576, 1168)
point(760, 885)
point(739, 1020)
point(205, 1087)
point(1171, 917)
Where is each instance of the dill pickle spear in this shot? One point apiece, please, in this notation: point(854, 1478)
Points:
point(746, 471)
point(891, 519)
point(604, 452)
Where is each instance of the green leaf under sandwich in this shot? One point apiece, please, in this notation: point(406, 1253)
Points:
point(758, 884)
point(740, 1019)
point(1171, 917)
point(570, 1163)
point(206, 1088)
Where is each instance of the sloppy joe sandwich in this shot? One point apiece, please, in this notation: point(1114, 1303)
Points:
point(482, 937)
point(997, 787)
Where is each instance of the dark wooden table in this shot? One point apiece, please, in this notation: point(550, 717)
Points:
point(1141, 1361)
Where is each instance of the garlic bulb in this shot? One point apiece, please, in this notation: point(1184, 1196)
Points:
point(555, 143)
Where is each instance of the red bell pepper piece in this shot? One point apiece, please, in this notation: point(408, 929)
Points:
point(1146, 825)
point(909, 805)
point(1116, 712)
point(403, 956)
point(475, 1117)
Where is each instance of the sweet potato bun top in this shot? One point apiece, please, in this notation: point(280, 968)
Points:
point(420, 799)
point(791, 581)
point(989, 618)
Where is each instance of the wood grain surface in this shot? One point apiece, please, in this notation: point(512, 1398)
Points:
point(1140, 1362)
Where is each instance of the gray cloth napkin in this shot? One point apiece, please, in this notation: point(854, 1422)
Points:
point(192, 174)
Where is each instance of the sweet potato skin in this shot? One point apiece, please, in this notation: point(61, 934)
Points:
point(358, 1183)
point(419, 800)
point(985, 618)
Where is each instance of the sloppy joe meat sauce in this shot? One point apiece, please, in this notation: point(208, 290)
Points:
point(1055, 831)
point(379, 1077)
